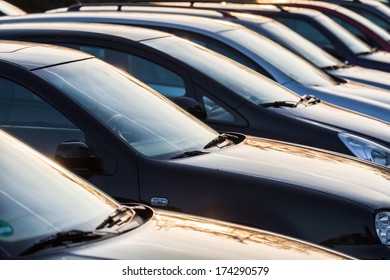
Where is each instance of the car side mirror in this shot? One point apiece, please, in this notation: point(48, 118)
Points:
point(192, 106)
point(76, 156)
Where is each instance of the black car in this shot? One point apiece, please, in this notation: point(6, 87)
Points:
point(40, 219)
point(242, 45)
point(317, 28)
point(377, 12)
point(136, 145)
point(361, 27)
point(269, 28)
point(364, 29)
point(233, 100)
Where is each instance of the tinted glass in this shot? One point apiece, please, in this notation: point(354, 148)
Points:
point(368, 24)
point(355, 31)
point(249, 84)
point(218, 47)
point(312, 32)
point(30, 118)
point(144, 119)
point(154, 75)
point(159, 78)
point(373, 17)
point(215, 112)
point(354, 44)
point(39, 198)
point(298, 44)
point(297, 68)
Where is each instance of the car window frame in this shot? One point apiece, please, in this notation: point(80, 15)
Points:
point(121, 45)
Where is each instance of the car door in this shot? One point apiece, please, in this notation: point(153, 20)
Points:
point(41, 116)
point(30, 118)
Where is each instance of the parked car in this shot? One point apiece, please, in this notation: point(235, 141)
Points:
point(377, 12)
point(169, 66)
point(267, 27)
point(40, 219)
point(317, 28)
point(373, 10)
point(358, 25)
point(137, 146)
point(248, 48)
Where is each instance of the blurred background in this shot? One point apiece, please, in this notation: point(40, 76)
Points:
point(33, 6)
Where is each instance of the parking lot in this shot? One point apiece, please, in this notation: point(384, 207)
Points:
point(187, 131)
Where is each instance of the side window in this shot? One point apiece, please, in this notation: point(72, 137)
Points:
point(218, 47)
point(157, 77)
point(163, 80)
point(218, 112)
point(371, 16)
point(355, 31)
point(308, 31)
point(33, 120)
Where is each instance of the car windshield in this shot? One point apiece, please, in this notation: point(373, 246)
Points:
point(141, 117)
point(367, 24)
point(247, 83)
point(297, 69)
point(291, 40)
point(38, 198)
point(355, 45)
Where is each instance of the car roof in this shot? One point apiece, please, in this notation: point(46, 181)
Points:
point(29, 55)
point(325, 5)
point(211, 25)
point(264, 8)
point(218, 14)
point(133, 33)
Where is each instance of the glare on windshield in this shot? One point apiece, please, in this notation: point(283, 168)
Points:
point(243, 81)
point(141, 117)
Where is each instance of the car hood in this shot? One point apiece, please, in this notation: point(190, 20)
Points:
point(177, 236)
point(302, 167)
point(365, 76)
point(343, 120)
point(381, 60)
point(360, 98)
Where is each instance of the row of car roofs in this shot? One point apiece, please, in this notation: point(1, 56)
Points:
point(226, 96)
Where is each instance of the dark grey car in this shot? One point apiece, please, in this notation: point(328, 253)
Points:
point(137, 146)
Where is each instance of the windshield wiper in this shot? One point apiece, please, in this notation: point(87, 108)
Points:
point(291, 104)
point(220, 139)
point(61, 239)
point(188, 154)
point(305, 99)
point(309, 99)
point(336, 66)
point(120, 216)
